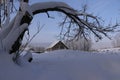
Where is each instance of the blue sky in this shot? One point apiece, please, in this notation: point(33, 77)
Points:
point(109, 10)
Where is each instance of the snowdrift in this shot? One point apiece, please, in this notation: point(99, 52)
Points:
point(63, 65)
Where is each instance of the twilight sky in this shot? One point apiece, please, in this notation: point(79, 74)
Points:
point(109, 10)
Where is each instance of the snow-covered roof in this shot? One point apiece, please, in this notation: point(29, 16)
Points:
point(53, 44)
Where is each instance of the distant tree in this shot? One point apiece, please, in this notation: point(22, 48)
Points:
point(116, 40)
point(13, 29)
point(80, 44)
point(38, 49)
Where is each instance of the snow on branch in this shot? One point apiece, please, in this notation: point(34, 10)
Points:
point(87, 23)
point(52, 6)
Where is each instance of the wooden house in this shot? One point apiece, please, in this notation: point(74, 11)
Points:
point(57, 46)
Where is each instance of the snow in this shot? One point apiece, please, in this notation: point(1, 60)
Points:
point(10, 71)
point(75, 65)
point(53, 44)
point(50, 5)
point(13, 35)
point(56, 65)
point(62, 65)
point(9, 34)
point(112, 50)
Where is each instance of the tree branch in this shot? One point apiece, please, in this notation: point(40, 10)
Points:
point(68, 11)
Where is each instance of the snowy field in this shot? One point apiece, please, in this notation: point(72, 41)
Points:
point(63, 65)
point(110, 50)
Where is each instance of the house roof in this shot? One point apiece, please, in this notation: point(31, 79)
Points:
point(54, 43)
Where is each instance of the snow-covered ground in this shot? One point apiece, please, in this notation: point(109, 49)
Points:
point(110, 50)
point(63, 65)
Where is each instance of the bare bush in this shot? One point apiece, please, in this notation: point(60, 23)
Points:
point(80, 44)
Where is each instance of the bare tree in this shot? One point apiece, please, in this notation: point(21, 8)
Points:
point(116, 40)
point(83, 25)
point(12, 33)
point(81, 44)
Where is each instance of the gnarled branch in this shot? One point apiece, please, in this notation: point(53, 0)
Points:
point(75, 17)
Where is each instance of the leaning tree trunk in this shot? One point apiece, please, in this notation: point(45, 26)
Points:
point(17, 44)
point(25, 19)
